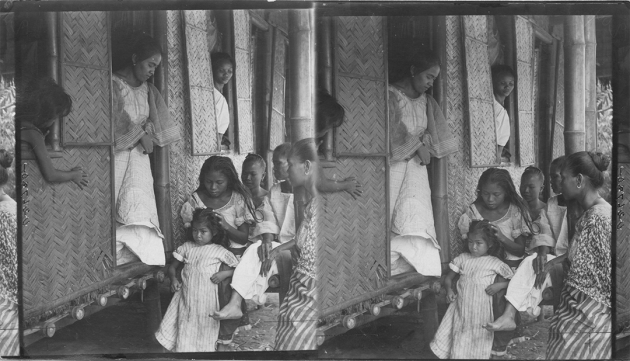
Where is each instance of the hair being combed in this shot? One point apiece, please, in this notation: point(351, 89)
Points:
point(484, 228)
point(226, 167)
point(207, 217)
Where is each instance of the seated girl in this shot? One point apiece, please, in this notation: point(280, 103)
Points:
point(42, 102)
point(460, 335)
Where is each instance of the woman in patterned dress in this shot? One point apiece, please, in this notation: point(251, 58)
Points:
point(581, 326)
point(141, 121)
point(298, 314)
point(9, 332)
point(418, 131)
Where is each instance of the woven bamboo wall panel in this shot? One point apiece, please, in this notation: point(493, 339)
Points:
point(524, 70)
point(277, 133)
point(364, 130)
point(242, 78)
point(623, 250)
point(352, 233)
point(85, 38)
point(360, 43)
point(184, 168)
point(67, 245)
point(479, 93)
point(86, 74)
point(200, 84)
point(89, 120)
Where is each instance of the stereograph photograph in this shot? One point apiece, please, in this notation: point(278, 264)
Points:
point(314, 180)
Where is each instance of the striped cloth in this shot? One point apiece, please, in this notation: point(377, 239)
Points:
point(461, 335)
point(187, 325)
point(298, 314)
point(580, 328)
point(9, 331)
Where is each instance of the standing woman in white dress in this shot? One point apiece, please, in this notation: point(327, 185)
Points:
point(418, 131)
point(141, 121)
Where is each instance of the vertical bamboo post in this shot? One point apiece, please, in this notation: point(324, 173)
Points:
point(161, 157)
point(551, 107)
point(53, 70)
point(267, 109)
point(574, 97)
point(439, 167)
point(325, 66)
point(590, 69)
point(301, 85)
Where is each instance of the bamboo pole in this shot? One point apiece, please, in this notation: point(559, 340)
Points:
point(161, 157)
point(574, 95)
point(439, 167)
point(325, 73)
point(301, 86)
point(52, 18)
point(590, 69)
point(267, 108)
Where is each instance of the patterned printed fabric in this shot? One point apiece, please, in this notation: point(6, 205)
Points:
point(234, 212)
point(297, 317)
point(307, 238)
point(460, 335)
point(186, 326)
point(8, 251)
point(589, 254)
point(9, 328)
point(580, 329)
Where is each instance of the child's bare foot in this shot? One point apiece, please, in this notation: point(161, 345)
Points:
point(229, 312)
point(547, 294)
point(503, 323)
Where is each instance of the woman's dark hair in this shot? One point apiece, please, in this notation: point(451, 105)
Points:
point(305, 149)
point(139, 43)
point(419, 57)
point(226, 167)
point(531, 170)
point(206, 217)
point(255, 158)
point(6, 159)
point(502, 178)
point(484, 228)
point(328, 112)
point(499, 69)
point(590, 164)
point(282, 151)
point(218, 58)
point(42, 100)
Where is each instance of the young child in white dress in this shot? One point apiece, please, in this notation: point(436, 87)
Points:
point(186, 326)
point(460, 334)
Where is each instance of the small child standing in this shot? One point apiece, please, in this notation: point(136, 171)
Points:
point(461, 335)
point(186, 326)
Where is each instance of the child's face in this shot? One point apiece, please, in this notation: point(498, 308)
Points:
point(477, 245)
point(503, 84)
point(252, 174)
point(493, 195)
point(215, 183)
point(202, 234)
point(555, 179)
point(531, 186)
point(280, 167)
